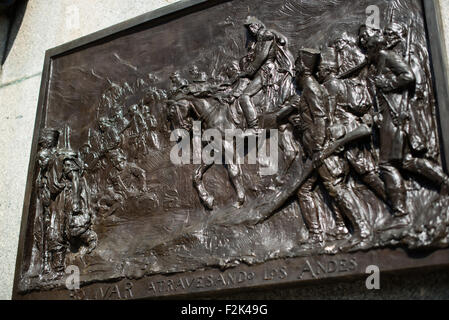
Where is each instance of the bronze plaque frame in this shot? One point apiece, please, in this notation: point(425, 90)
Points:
point(285, 271)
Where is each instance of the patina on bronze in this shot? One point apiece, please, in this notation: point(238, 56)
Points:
point(358, 109)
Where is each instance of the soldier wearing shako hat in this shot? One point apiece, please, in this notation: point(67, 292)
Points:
point(40, 262)
point(312, 122)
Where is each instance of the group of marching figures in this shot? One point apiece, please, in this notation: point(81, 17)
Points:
point(366, 105)
point(363, 104)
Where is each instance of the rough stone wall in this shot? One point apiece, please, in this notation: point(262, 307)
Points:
point(44, 24)
point(444, 5)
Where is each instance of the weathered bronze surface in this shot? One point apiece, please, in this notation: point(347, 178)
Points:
point(360, 181)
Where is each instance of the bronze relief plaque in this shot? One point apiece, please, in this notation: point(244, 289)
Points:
point(217, 145)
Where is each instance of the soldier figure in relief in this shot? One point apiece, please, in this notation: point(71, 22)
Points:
point(78, 220)
point(348, 56)
point(110, 138)
point(48, 143)
point(420, 125)
point(137, 132)
point(351, 106)
point(177, 85)
point(235, 88)
point(312, 122)
point(267, 61)
point(70, 223)
point(126, 178)
point(395, 81)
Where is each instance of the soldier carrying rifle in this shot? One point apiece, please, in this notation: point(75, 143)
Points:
point(330, 168)
point(395, 82)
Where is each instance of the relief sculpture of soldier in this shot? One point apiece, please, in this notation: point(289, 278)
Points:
point(66, 218)
point(77, 220)
point(234, 91)
point(351, 106)
point(177, 84)
point(125, 181)
point(154, 97)
point(203, 101)
point(421, 122)
point(395, 81)
point(312, 122)
point(48, 142)
point(265, 62)
point(274, 78)
point(137, 132)
point(110, 137)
